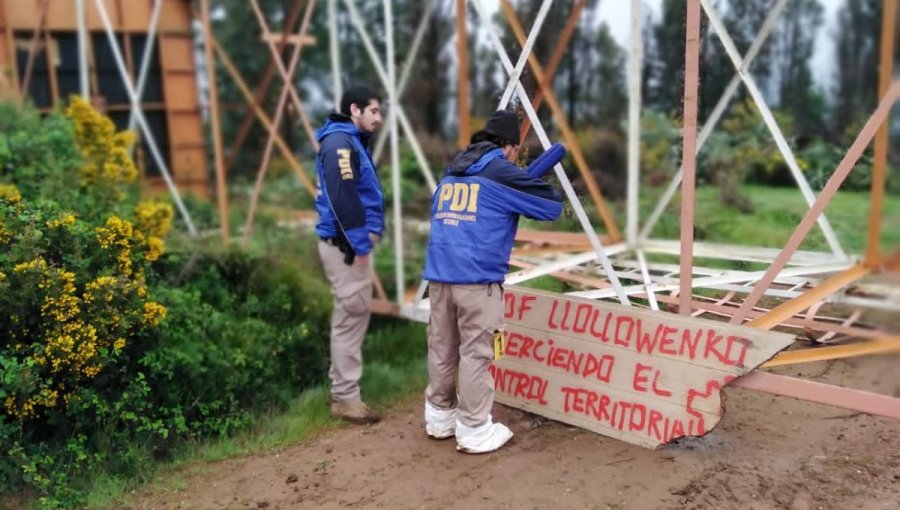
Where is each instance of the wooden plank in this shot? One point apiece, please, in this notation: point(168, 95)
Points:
point(177, 52)
point(136, 17)
point(565, 238)
point(640, 376)
point(179, 82)
point(280, 39)
point(176, 15)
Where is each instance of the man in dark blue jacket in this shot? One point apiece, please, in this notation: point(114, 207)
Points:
point(475, 213)
point(350, 206)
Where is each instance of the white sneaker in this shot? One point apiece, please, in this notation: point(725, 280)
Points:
point(439, 423)
point(481, 439)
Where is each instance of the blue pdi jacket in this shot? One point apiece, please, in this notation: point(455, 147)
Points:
point(349, 199)
point(475, 214)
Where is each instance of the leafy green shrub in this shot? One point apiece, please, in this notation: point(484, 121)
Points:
point(111, 350)
point(73, 297)
point(243, 333)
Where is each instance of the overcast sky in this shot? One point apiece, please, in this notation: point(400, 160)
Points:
point(617, 13)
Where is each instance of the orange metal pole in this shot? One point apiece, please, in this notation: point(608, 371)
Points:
point(834, 182)
point(879, 164)
point(553, 64)
point(215, 128)
point(462, 88)
point(876, 346)
point(261, 89)
point(787, 309)
point(286, 153)
point(689, 153)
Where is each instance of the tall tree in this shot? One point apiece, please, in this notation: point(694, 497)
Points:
point(744, 19)
point(795, 39)
point(856, 55)
point(604, 100)
point(666, 72)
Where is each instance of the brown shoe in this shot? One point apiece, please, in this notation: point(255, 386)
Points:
point(355, 412)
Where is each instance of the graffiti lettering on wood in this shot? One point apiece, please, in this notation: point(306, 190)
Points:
point(640, 376)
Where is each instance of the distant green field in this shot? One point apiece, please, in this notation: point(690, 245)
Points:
point(777, 212)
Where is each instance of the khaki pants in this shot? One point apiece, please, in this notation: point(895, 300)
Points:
point(460, 336)
point(352, 289)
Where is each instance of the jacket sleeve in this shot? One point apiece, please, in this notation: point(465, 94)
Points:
point(529, 196)
point(340, 175)
point(545, 162)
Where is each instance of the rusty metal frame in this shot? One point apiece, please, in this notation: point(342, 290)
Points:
point(797, 283)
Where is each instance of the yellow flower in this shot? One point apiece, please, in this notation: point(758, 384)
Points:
point(66, 220)
point(38, 263)
point(105, 152)
point(10, 194)
point(117, 234)
point(153, 218)
point(119, 344)
point(153, 313)
point(155, 247)
point(5, 234)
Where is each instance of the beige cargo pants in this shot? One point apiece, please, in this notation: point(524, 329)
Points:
point(460, 336)
point(352, 289)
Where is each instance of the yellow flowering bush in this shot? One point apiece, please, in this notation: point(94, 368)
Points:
point(68, 323)
point(74, 298)
point(105, 151)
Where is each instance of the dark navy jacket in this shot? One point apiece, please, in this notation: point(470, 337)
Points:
point(349, 199)
point(475, 214)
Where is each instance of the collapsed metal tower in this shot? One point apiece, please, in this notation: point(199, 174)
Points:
point(789, 294)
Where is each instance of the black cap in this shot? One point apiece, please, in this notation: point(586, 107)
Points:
point(504, 124)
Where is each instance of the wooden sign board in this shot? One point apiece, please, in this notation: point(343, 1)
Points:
point(637, 375)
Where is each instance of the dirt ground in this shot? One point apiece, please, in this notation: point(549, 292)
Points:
point(767, 452)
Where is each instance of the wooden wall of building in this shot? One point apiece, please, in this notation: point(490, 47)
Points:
point(171, 100)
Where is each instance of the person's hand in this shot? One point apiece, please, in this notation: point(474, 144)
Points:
point(374, 238)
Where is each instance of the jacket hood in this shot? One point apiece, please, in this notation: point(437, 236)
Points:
point(340, 123)
point(464, 163)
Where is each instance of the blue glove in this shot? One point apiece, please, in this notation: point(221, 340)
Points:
point(540, 166)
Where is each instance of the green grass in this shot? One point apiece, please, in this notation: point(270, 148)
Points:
point(777, 212)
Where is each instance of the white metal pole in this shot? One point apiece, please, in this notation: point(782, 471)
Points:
point(560, 173)
point(526, 51)
point(145, 57)
point(395, 151)
point(645, 273)
point(635, 59)
point(408, 64)
point(382, 75)
point(141, 120)
point(335, 52)
point(81, 19)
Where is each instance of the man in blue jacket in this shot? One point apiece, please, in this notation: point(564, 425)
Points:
point(350, 206)
point(475, 212)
